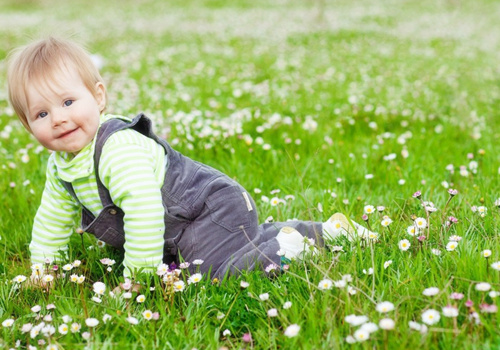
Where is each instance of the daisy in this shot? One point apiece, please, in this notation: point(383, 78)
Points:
point(19, 279)
point(386, 324)
point(415, 325)
point(63, 329)
point(450, 311)
point(361, 335)
point(451, 246)
point(431, 317)
point(386, 222)
point(179, 286)
point(274, 201)
point(67, 267)
point(184, 265)
point(287, 305)
point(91, 322)
point(369, 209)
point(412, 230)
point(436, 252)
point(420, 223)
point(264, 296)
point(106, 318)
point(354, 320)
point(482, 210)
point(26, 327)
point(347, 277)
point(350, 339)
point(370, 327)
point(292, 330)
point(373, 236)
point(340, 283)
point(140, 298)
point(404, 245)
point(431, 291)
point(226, 333)
point(132, 320)
point(387, 264)
point(384, 306)
point(496, 265)
point(36, 308)
point(75, 327)
point(483, 287)
point(486, 253)
point(48, 278)
point(272, 312)
point(99, 288)
point(8, 323)
point(244, 284)
point(197, 262)
point(147, 314)
point(162, 269)
point(325, 284)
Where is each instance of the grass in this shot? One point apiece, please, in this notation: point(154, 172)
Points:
point(374, 77)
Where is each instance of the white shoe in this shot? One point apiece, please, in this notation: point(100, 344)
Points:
point(291, 242)
point(338, 225)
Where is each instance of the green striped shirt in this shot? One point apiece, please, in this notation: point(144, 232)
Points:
point(132, 168)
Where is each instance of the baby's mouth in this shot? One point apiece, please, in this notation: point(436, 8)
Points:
point(66, 133)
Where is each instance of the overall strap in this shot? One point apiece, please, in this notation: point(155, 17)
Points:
point(140, 123)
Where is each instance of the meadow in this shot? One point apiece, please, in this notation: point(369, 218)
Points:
point(384, 110)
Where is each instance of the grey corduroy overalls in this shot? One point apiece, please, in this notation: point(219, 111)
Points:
point(208, 215)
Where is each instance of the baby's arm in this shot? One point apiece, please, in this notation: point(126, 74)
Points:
point(54, 221)
point(132, 168)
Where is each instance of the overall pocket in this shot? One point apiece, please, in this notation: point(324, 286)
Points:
point(231, 208)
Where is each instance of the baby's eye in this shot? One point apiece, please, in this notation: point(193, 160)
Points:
point(42, 114)
point(68, 103)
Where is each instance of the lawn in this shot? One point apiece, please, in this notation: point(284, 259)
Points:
point(384, 110)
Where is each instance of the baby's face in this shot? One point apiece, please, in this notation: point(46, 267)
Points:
point(62, 113)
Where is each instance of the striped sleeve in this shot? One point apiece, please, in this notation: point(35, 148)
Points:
point(132, 168)
point(54, 221)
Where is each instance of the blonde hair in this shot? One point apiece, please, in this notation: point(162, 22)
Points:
point(39, 62)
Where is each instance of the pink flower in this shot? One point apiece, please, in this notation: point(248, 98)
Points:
point(451, 220)
point(417, 194)
point(247, 337)
point(490, 309)
point(456, 296)
point(469, 303)
point(452, 192)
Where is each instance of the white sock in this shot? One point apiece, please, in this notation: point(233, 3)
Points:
point(291, 242)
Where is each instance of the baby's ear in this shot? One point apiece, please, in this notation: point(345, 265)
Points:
point(100, 95)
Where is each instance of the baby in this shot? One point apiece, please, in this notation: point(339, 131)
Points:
point(133, 190)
